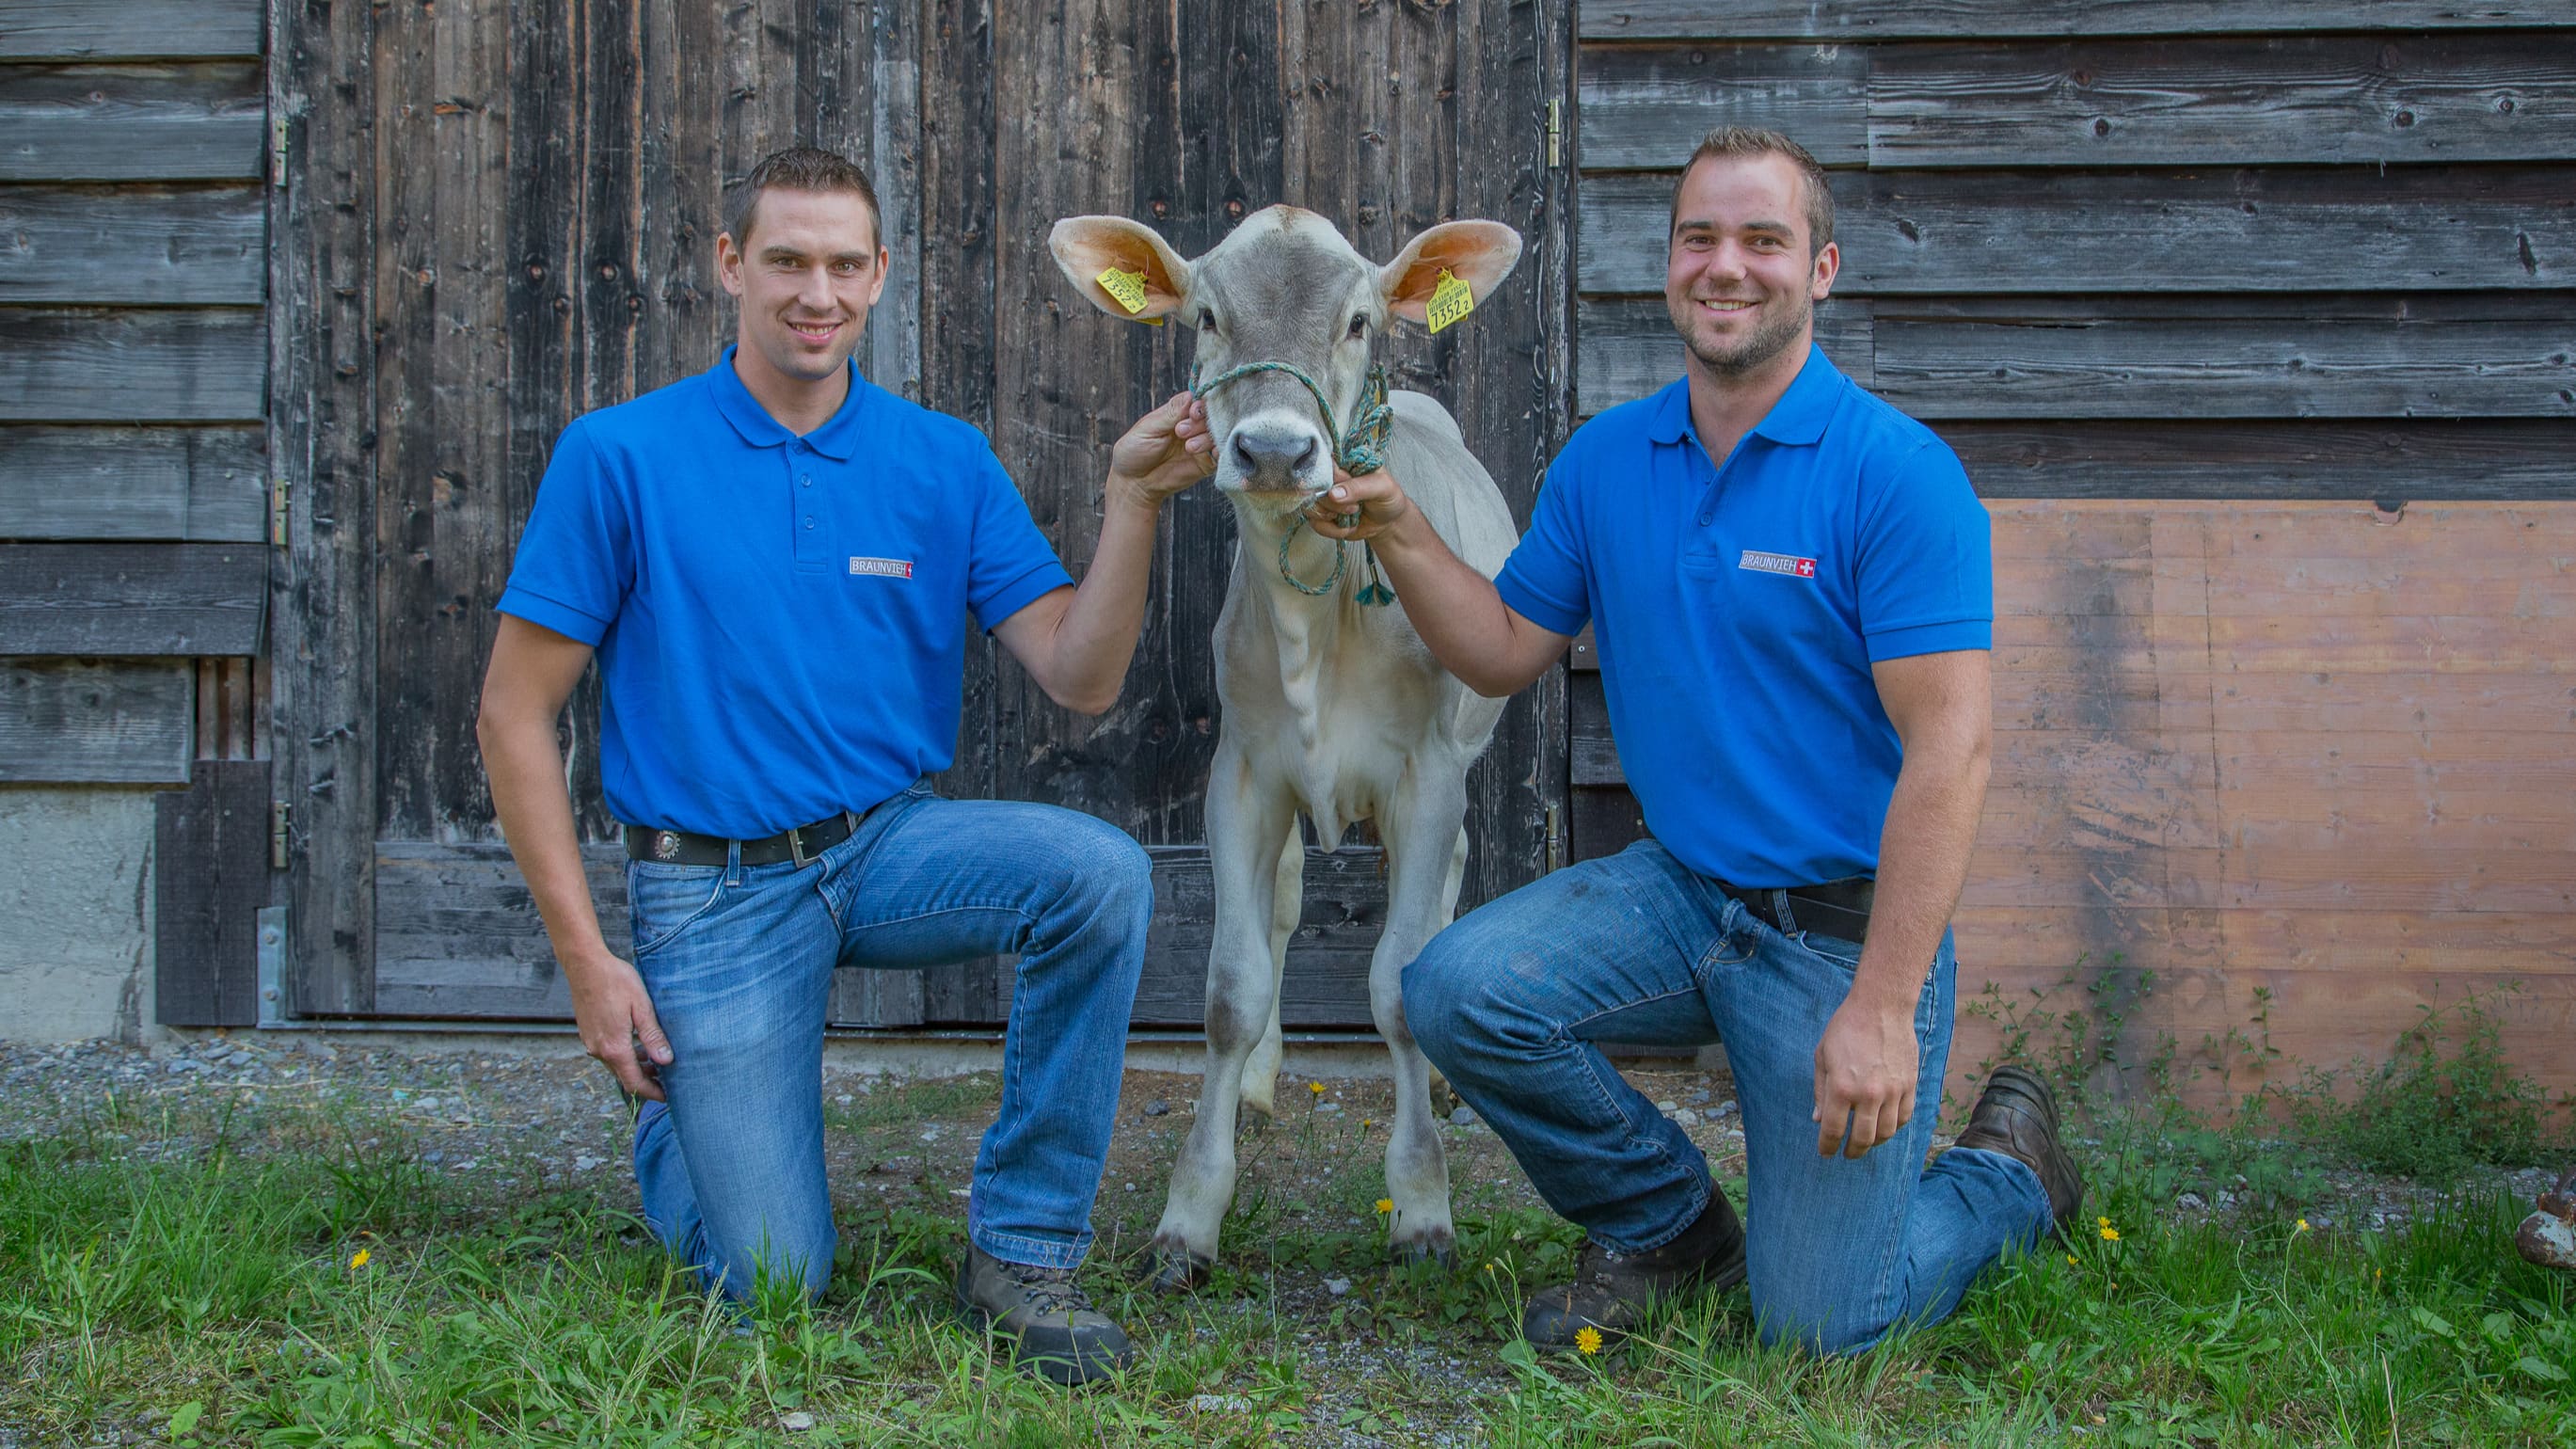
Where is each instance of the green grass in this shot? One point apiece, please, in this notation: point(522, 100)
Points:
point(209, 1297)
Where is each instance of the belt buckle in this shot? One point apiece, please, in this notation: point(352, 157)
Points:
point(796, 848)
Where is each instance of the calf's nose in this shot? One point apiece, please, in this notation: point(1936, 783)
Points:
point(1274, 457)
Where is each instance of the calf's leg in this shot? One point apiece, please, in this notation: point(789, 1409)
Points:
point(1246, 821)
point(1426, 847)
point(1287, 903)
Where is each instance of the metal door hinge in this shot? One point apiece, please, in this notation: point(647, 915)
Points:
point(1556, 837)
point(1555, 133)
point(277, 149)
point(274, 1009)
point(277, 511)
point(277, 817)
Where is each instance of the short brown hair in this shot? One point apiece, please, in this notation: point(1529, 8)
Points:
point(800, 168)
point(1748, 141)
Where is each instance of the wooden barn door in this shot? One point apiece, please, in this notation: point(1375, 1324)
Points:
point(496, 217)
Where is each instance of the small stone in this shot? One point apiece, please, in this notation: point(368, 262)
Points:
point(1220, 1404)
point(426, 1104)
point(1666, 1106)
point(1462, 1118)
point(186, 1066)
point(1337, 1286)
point(1327, 1108)
point(1156, 1108)
point(1686, 1118)
point(930, 1135)
point(796, 1421)
point(584, 1162)
point(2191, 1200)
point(843, 1099)
point(321, 1050)
point(240, 1059)
point(433, 1158)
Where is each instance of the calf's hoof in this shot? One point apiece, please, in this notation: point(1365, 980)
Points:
point(1440, 1248)
point(1171, 1268)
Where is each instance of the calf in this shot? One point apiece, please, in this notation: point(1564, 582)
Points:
point(1332, 706)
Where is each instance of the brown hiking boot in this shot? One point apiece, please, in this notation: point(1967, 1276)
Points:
point(1054, 1330)
point(1611, 1291)
point(2016, 1115)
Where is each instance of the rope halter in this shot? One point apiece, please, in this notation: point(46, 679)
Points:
point(1360, 451)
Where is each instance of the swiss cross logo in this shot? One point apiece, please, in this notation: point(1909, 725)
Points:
point(1786, 565)
point(883, 568)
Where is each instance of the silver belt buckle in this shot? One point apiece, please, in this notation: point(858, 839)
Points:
point(796, 848)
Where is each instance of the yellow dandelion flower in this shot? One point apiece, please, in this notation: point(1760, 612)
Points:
point(1588, 1339)
point(2102, 1222)
point(1315, 1087)
point(2303, 1225)
point(1386, 1205)
point(1489, 1265)
point(360, 1261)
point(2073, 1262)
point(2110, 1234)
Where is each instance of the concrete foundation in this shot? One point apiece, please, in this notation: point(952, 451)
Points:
point(76, 913)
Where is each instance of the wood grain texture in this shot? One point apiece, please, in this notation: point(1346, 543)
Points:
point(133, 484)
point(155, 245)
point(1866, 20)
point(2383, 459)
point(196, 121)
point(1626, 348)
point(131, 598)
point(2305, 100)
point(2227, 229)
point(96, 721)
point(129, 29)
point(180, 365)
point(209, 882)
point(1647, 109)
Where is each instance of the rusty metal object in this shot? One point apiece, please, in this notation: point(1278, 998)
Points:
point(2548, 1237)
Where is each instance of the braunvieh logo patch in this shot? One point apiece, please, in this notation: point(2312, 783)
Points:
point(1785, 564)
point(883, 568)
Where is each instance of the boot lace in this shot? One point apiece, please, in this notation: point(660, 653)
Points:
point(1049, 1290)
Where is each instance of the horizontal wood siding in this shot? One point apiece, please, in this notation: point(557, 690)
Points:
point(96, 721)
point(126, 483)
point(144, 598)
point(1847, 20)
point(2256, 326)
point(128, 29)
point(96, 365)
point(169, 122)
point(153, 246)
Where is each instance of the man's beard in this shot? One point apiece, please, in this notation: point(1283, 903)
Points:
point(1768, 339)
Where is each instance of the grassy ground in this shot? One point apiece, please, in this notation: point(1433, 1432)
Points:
point(293, 1273)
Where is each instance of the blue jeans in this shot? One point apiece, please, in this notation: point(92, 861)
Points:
point(738, 961)
point(1509, 1002)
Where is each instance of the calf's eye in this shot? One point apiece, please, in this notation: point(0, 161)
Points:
point(1207, 320)
point(1359, 325)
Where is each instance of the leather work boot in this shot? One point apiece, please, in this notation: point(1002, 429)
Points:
point(1054, 1330)
point(2016, 1115)
point(1611, 1291)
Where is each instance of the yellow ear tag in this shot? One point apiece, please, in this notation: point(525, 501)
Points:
point(1451, 301)
point(1128, 289)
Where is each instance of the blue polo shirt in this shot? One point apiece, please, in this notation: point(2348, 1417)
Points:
point(781, 621)
point(1738, 609)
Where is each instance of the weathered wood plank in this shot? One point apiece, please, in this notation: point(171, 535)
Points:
point(1626, 347)
point(210, 881)
point(129, 29)
point(2306, 101)
point(131, 598)
point(135, 484)
point(459, 936)
point(96, 722)
point(1863, 20)
point(191, 122)
point(2224, 367)
point(2391, 459)
point(82, 365)
point(157, 245)
point(2246, 229)
point(1647, 109)
point(322, 434)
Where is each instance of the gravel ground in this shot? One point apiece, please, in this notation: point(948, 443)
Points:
point(504, 1123)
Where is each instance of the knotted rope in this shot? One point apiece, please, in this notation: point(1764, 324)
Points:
point(1360, 451)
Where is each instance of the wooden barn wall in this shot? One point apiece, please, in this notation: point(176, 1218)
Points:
point(2256, 326)
point(134, 519)
point(501, 216)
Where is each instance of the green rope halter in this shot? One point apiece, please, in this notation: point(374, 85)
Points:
point(1360, 451)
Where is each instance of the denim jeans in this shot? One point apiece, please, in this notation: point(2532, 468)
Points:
point(738, 961)
point(1509, 1001)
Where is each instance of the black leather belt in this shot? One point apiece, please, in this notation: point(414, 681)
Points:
point(801, 845)
point(1837, 908)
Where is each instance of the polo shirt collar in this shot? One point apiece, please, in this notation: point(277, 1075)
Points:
point(837, 439)
point(1797, 419)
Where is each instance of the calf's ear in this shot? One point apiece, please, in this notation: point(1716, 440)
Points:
point(1478, 253)
point(1151, 276)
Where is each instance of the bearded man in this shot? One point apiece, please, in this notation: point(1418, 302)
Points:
point(1790, 583)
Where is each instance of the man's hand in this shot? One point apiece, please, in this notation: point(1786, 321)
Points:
point(1166, 451)
point(616, 1017)
point(1361, 508)
point(1865, 1071)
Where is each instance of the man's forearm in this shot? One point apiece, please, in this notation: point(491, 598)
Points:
point(1922, 866)
point(525, 768)
point(1455, 609)
point(1096, 638)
